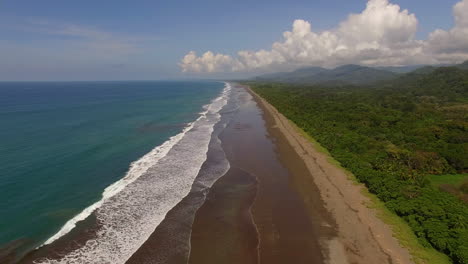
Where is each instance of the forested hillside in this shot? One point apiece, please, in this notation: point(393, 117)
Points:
point(346, 74)
point(393, 136)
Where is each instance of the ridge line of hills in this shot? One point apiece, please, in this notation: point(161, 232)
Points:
point(350, 74)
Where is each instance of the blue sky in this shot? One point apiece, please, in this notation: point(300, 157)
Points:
point(142, 39)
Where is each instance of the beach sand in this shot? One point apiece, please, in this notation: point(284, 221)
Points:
point(286, 229)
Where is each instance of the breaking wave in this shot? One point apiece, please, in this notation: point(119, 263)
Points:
point(132, 208)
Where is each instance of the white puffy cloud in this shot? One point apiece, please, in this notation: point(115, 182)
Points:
point(381, 22)
point(208, 62)
point(460, 11)
point(382, 34)
point(453, 44)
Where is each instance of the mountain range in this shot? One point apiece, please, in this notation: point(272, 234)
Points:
point(349, 74)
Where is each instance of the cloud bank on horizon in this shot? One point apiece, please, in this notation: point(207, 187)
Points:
point(381, 35)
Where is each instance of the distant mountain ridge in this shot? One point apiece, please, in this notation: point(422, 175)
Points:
point(463, 66)
point(350, 74)
point(401, 69)
point(353, 74)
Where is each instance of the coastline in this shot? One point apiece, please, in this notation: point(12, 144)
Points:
point(264, 194)
point(255, 213)
point(361, 236)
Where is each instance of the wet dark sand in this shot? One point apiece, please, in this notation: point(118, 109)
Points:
point(287, 212)
point(224, 231)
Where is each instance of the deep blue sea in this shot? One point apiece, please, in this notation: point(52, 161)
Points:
point(63, 143)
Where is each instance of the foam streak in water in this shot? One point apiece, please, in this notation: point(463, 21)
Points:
point(132, 208)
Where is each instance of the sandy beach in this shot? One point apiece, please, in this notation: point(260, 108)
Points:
point(361, 237)
point(285, 228)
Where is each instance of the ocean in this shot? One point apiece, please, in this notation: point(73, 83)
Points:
point(126, 151)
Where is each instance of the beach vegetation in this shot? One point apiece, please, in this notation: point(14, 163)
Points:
point(401, 138)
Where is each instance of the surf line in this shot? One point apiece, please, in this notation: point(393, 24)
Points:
point(137, 169)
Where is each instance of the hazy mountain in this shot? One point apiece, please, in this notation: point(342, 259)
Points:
point(424, 70)
point(463, 66)
point(351, 74)
point(401, 69)
point(292, 76)
point(431, 69)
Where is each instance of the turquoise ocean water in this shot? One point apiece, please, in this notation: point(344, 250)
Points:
point(63, 143)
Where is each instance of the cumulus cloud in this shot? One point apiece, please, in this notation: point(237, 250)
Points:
point(208, 62)
point(450, 45)
point(382, 34)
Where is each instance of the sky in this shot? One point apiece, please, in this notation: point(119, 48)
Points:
point(149, 40)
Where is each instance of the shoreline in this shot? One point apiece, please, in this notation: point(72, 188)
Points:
point(361, 236)
point(254, 214)
point(278, 200)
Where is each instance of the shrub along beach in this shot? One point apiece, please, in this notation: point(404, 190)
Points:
point(395, 136)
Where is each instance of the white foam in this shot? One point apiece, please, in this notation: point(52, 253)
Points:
point(132, 208)
point(137, 169)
